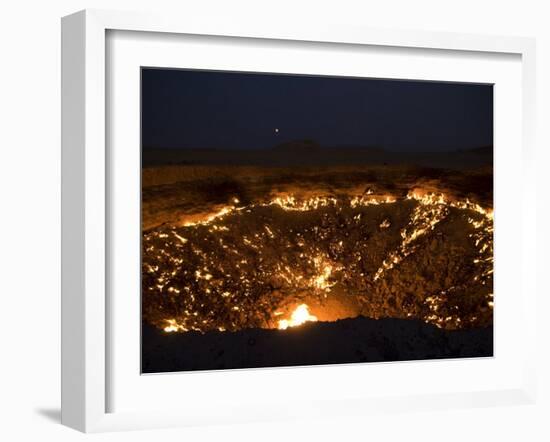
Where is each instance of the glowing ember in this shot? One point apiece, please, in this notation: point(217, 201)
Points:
point(298, 317)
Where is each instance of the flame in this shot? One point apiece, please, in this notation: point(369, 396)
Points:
point(324, 271)
point(321, 281)
point(373, 200)
point(298, 317)
point(173, 326)
point(211, 217)
point(292, 203)
point(204, 287)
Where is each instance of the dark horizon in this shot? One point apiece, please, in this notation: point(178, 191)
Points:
point(320, 148)
point(188, 109)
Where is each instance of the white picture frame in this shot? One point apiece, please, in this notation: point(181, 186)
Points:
point(85, 202)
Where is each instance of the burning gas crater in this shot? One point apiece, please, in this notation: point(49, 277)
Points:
point(284, 262)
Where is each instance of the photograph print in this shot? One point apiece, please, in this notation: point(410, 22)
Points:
point(298, 220)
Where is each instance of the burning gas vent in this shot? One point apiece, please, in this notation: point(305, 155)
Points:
point(284, 262)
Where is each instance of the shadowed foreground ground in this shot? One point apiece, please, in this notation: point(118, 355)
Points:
point(345, 341)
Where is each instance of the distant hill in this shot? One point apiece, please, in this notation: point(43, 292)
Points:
point(298, 146)
point(482, 150)
point(305, 146)
point(310, 153)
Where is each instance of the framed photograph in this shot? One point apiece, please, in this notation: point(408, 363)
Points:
point(263, 223)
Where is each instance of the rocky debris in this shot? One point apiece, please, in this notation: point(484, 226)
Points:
point(344, 341)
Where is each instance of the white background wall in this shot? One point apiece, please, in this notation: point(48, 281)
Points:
point(30, 214)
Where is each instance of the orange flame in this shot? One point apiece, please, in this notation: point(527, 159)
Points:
point(298, 317)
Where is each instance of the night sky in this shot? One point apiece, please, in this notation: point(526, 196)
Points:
point(204, 109)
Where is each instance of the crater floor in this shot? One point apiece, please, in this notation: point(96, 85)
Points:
point(420, 255)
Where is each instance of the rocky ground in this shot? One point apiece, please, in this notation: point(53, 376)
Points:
point(344, 341)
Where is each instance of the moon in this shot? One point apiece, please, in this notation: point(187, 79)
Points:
point(276, 130)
